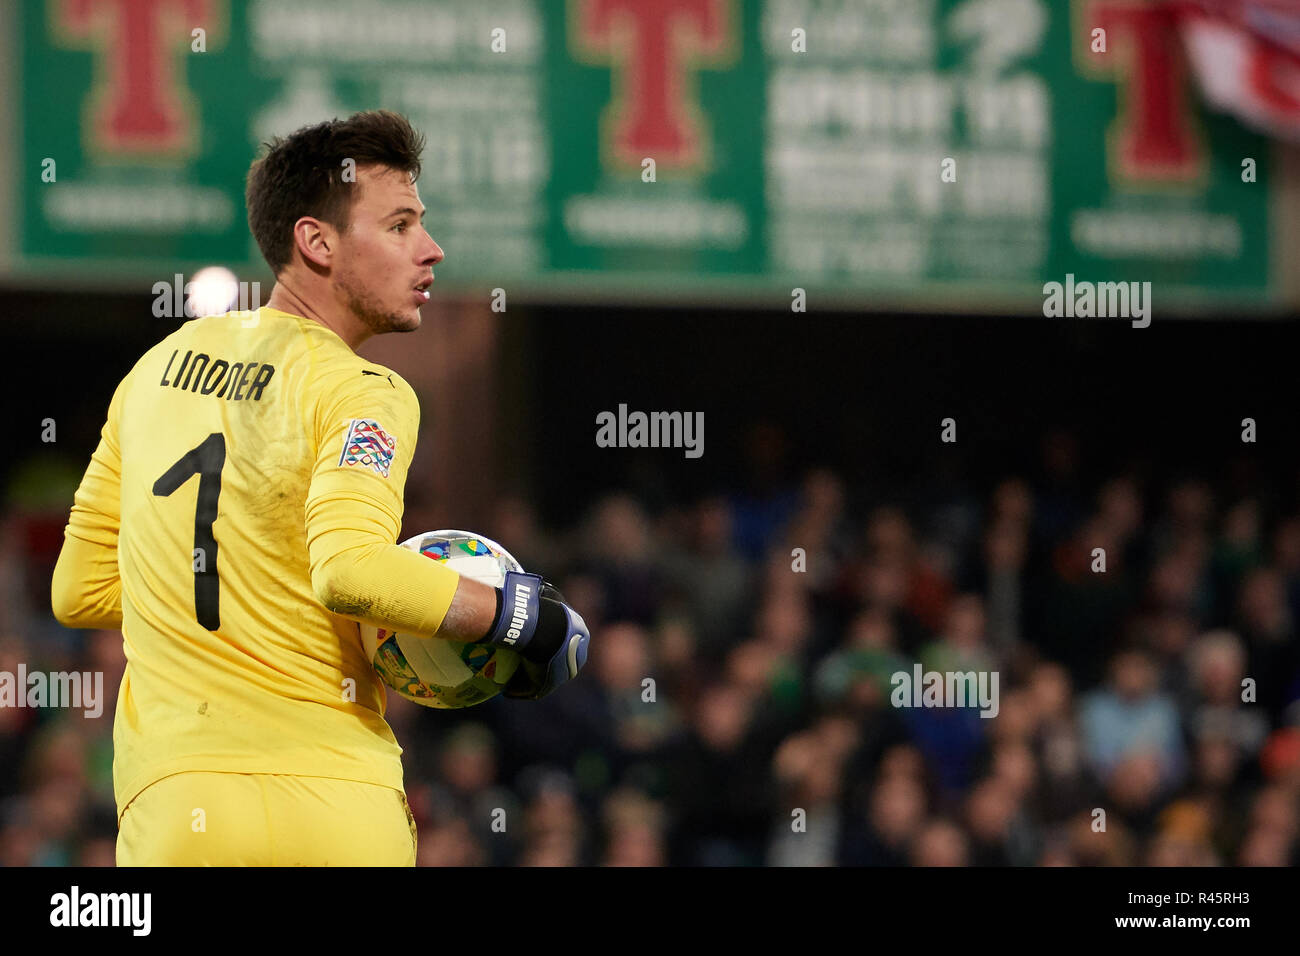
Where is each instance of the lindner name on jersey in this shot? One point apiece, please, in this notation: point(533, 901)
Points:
point(204, 375)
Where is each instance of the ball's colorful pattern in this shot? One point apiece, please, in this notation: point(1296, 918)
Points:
point(436, 549)
point(433, 671)
point(475, 546)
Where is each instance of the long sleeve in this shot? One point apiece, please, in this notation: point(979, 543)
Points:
point(362, 575)
point(86, 589)
point(366, 439)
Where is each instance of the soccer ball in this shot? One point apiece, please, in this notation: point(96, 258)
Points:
point(437, 672)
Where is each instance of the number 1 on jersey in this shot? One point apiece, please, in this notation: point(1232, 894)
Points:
point(206, 461)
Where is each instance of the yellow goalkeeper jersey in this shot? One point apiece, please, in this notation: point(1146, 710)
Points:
point(237, 519)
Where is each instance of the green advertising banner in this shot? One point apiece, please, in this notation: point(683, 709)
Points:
point(922, 152)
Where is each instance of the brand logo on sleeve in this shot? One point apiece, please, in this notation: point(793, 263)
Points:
point(368, 445)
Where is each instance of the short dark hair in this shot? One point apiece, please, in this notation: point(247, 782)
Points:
point(302, 175)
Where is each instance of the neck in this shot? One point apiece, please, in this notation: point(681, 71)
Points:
point(285, 299)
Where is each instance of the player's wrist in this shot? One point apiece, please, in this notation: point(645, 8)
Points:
point(527, 622)
point(496, 616)
point(518, 611)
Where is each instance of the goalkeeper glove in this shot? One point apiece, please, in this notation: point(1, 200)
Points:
point(550, 636)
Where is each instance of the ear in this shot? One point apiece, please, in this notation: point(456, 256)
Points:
point(316, 241)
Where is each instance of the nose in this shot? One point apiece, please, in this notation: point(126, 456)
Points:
point(433, 254)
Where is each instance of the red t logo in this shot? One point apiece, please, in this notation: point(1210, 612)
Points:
point(1154, 139)
point(651, 43)
point(137, 105)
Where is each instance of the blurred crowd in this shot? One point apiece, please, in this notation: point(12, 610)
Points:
point(736, 708)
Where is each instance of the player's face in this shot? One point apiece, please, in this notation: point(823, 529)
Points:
point(386, 258)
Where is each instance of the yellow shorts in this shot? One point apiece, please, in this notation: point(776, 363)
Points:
point(262, 819)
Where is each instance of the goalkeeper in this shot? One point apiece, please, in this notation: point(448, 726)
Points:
point(239, 518)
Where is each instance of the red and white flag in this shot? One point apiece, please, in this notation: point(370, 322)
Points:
point(1246, 57)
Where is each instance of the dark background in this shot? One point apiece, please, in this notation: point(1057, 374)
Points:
point(862, 393)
